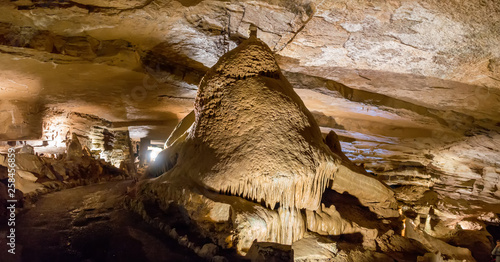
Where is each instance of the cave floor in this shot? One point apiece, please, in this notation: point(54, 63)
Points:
point(89, 223)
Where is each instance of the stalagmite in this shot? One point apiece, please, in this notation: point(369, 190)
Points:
point(251, 137)
point(74, 149)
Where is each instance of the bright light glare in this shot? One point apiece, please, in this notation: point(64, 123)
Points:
point(154, 153)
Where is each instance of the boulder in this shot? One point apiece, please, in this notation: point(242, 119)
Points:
point(74, 150)
point(315, 248)
point(26, 175)
point(270, 252)
point(27, 185)
point(27, 149)
point(208, 251)
point(31, 163)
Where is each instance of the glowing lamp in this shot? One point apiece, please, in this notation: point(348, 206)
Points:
point(154, 153)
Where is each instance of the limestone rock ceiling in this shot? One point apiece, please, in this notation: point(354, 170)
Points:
point(412, 88)
point(430, 54)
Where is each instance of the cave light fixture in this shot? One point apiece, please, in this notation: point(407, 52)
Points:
point(154, 152)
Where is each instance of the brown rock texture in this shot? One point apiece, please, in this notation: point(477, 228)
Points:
point(411, 88)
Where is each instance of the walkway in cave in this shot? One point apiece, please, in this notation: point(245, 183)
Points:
point(90, 224)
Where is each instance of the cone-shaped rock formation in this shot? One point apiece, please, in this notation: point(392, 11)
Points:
point(252, 137)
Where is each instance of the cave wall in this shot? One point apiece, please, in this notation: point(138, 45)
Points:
point(96, 134)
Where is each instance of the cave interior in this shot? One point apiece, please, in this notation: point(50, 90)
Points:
point(204, 130)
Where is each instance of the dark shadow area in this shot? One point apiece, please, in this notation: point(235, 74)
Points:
point(348, 241)
point(351, 209)
point(64, 4)
point(354, 238)
point(165, 58)
point(108, 137)
point(475, 241)
point(189, 3)
point(494, 230)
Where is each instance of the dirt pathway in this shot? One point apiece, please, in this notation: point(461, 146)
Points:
point(90, 224)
